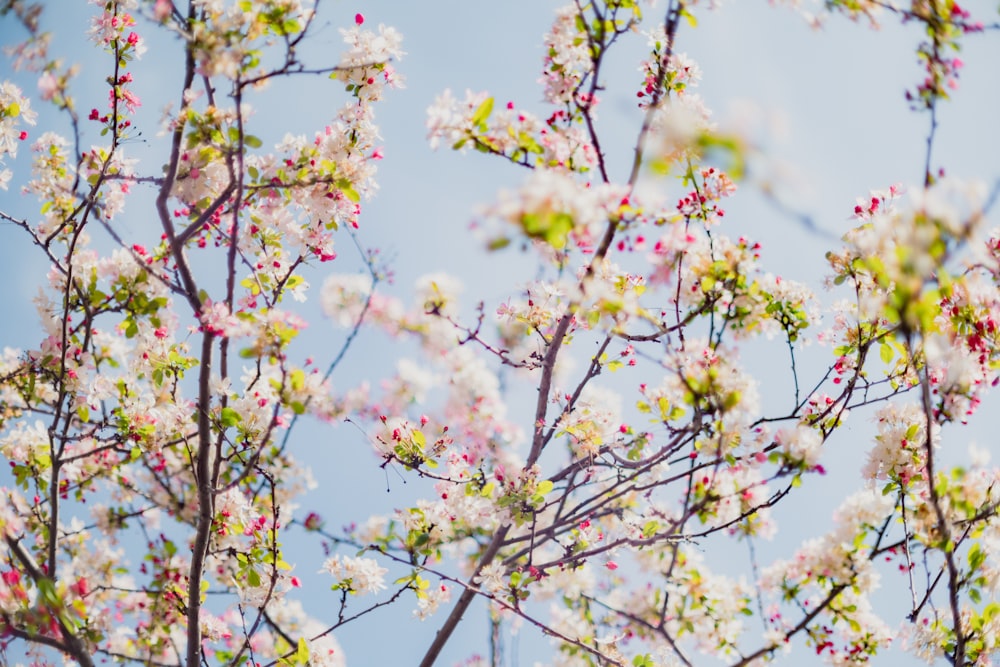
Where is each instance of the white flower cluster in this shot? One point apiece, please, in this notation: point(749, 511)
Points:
point(492, 578)
point(962, 358)
point(736, 498)
point(900, 449)
point(681, 72)
point(343, 297)
point(430, 600)
point(680, 118)
point(15, 108)
point(802, 445)
point(319, 186)
point(840, 558)
point(567, 57)
point(52, 181)
point(451, 120)
point(357, 575)
point(895, 256)
point(366, 67)
point(517, 134)
point(229, 32)
point(593, 422)
point(202, 172)
point(109, 27)
point(816, 13)
point(465, 509)
point(26, 444)
point(706, 382)
point(553, 206)
point(324, 650)
point(709, 606)
point(117, 172)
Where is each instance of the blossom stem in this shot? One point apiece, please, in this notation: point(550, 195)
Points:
point(205, 503)
point(455, 617)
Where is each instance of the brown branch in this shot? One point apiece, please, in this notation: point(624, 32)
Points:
point(71, 645)
point(455, 617)
point(945, 538)
point(206, 502)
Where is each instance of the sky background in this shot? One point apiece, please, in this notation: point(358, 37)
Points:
point(825, 108)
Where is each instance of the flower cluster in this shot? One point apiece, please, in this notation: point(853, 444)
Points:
point(568, 60)
point(15, 108)
point(555, 208)
point(366, 67)
point(901, 446)
point(356, 575)
point(226, 40)
point(835, 573)
point(518, 135)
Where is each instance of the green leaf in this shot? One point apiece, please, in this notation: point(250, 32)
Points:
point(351, 194)
point(252, 141)
point(170, 548)
point(558, 231)
point(498, 243)
point(483, 111)
point(47, 592)
point(229, 417)
point(885, 353)
point(302, 652)
point(976, 556)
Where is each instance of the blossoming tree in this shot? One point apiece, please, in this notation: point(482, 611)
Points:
point(150, 432)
